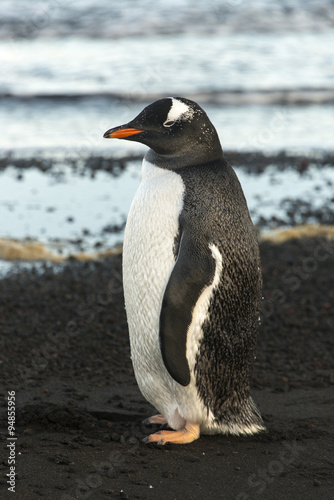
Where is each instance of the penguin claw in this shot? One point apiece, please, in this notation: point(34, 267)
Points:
point(155, 419)
point(148, 439)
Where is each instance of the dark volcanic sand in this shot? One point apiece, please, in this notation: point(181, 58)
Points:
point(65, 351)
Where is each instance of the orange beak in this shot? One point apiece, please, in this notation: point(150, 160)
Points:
point(121, 133)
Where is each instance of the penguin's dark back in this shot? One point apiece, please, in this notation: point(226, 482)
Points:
point(215, 208)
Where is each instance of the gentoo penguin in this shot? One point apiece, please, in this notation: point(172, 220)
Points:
point(192, 278)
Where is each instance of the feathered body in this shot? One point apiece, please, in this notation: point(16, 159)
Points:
point(192, 284)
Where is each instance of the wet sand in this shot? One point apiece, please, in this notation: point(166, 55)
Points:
point(65, 352)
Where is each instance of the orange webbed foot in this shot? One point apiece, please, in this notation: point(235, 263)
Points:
point(189, 434)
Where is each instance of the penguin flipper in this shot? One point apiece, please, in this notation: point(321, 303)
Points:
point(193, 271)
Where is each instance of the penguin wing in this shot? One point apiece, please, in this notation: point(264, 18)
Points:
point(193, 271)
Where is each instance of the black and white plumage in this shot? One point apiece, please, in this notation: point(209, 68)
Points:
point(192, 278)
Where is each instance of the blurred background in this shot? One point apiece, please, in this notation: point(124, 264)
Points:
point(71, 69)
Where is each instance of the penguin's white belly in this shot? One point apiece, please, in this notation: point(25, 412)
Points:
point(148, 260)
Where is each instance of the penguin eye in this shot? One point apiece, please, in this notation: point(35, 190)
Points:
point(169, 123)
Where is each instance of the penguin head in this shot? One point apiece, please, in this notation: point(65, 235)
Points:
point(172, 126)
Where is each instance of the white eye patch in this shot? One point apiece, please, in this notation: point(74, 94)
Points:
point(177, 111)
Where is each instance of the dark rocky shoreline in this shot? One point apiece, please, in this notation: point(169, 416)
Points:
point(253, 161)
point(65, 352)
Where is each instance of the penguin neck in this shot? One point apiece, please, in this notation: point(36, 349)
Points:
point(175, 162)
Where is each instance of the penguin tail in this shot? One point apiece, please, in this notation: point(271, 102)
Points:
point(237, 418)
point(249, 420)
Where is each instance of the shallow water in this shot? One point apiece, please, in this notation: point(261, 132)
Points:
point(71, 211)
point(66, 209)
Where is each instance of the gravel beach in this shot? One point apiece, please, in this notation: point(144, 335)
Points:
point(65, 353)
